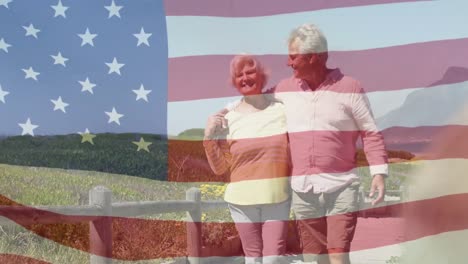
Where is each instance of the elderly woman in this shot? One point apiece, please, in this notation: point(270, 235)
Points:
point(253, 148)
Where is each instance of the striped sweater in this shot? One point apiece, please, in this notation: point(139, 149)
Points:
point(255, 152)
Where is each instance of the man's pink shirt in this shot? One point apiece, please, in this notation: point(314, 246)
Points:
point(324, 126)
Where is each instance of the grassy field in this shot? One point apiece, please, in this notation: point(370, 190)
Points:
point(45, 186)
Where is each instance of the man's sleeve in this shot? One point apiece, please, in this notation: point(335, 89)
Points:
point(374, 146)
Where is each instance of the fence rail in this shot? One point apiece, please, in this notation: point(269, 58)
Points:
point(100, 205)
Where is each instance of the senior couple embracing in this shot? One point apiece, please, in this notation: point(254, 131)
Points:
point(293, 147)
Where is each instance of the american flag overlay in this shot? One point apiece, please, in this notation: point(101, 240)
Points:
point(117, 93)
point(81, 72)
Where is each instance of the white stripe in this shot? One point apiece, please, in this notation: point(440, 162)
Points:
point(428, 250)
point(354, 28)
point(437, 178)
point(447, 247)
point(193, 114)
point(378, 255)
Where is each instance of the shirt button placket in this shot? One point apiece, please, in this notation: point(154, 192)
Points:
point(313, 127)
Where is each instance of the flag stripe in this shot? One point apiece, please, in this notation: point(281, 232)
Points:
point(202, 77)
point(443, 248)
point(428, 170)
point(381, 104)
point(428, 141)
point(435, 248)
point(17, 259)
point(148, 239)
point(376, 26)
point(245, 8)
point(191, 154)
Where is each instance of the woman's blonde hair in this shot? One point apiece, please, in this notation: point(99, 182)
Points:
point(240, 61)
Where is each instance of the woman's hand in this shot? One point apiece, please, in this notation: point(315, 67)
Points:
point(216, 124)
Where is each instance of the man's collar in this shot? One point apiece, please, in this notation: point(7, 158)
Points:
point(332, 76)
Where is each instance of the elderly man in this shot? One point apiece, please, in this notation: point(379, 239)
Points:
point(326, 113)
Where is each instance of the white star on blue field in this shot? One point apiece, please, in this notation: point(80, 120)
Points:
point(88, 56)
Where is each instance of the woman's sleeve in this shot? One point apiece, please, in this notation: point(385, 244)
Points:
point(218, 155)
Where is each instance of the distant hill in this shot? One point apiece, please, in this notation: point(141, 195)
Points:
point(3, 137)
point(192, 134)
point(453, 75)
point(431, 106)
point(112, 153)
point(427, 108)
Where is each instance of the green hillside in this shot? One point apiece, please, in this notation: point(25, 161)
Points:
point(192, 134)
point(112, 153)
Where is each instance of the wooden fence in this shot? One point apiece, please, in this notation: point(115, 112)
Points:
point(101, 205)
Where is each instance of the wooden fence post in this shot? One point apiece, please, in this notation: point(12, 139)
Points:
point(100, 230)
point(194, 241)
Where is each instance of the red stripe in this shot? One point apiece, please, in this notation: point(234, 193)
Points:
point(382, 69)
point(429, 142)
point(17, 259)
point(188, 163)
point(248, 8)
point(139, 239)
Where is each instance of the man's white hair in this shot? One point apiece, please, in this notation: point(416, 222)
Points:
point(309, 39)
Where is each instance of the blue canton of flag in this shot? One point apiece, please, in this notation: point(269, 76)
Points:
point(68, 66)
point(88, 80)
